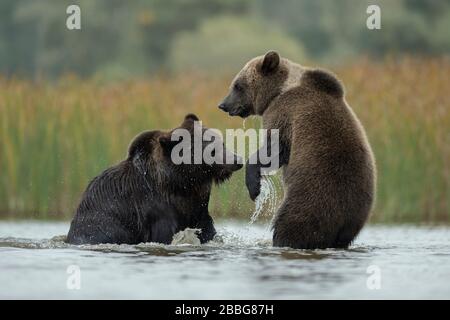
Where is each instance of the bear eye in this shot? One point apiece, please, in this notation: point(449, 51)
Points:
point(237, 87)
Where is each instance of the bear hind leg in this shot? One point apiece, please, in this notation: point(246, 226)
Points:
point(292, 229)
point(347, 234)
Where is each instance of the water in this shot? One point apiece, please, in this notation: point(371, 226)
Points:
point(267, 200)
point(414, 262)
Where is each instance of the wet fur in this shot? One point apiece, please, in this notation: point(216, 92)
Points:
point(328, 166)
point(146, 198)
point(122, 205)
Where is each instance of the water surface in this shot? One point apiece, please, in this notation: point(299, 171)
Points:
point(413, 262)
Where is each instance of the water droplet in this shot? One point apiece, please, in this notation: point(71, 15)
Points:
point(267, 199)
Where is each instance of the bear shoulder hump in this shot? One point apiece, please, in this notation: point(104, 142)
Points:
point(324, 81)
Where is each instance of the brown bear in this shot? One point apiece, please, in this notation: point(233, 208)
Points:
point(328, 166)
point(147, 197)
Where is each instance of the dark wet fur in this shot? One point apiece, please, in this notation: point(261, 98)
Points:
point(123, 206)
point(146, 198)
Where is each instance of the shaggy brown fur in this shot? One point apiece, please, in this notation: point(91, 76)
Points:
point(327, 162)
point(147, 198)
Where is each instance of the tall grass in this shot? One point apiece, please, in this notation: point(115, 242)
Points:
point(55, 137)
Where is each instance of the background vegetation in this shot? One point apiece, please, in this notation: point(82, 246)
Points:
point(121, 39)
point(71, 101)
point(57, 137)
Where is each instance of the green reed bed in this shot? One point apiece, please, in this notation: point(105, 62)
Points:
point(57, 136)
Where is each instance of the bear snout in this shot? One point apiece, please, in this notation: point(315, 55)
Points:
point(236, 166)
point(222, 106)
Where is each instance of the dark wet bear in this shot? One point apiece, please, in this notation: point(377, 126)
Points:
point(148, 198)
point(327, 162)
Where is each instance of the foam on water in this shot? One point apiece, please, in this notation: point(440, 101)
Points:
point(183, 241)
point(187, 236)
point(26, 243)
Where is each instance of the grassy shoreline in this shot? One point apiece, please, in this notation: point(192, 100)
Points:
point(58, 136)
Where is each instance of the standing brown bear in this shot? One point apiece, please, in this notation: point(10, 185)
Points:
point(149, 198)
point(328, 165)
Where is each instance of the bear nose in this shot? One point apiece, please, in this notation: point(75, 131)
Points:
point(222, 106)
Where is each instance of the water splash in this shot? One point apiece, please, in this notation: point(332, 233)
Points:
point(232, 235)
point(187, 236)
point(267, 199)
point(244, 123)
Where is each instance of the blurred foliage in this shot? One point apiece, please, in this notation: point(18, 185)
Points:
point(121, 39)
point(56, 137)
point(229, 41)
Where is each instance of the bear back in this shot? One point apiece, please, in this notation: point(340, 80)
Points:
point(323, 81)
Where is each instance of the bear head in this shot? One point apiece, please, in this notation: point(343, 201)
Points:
point(266, 77)
point(157, 154)
point(256, 85)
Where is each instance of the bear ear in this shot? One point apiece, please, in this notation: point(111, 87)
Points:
point(141, 144)
point(191, 116)
point(189, 120)
point(270, 62)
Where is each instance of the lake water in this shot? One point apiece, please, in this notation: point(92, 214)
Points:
point(402, 261)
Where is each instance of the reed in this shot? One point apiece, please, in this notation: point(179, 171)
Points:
point(57, 136)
